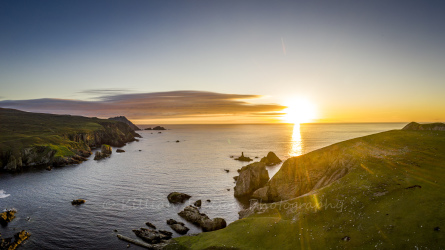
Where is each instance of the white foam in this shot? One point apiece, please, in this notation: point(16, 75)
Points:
point(3, 195)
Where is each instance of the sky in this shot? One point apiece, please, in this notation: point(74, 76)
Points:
point(225, 61)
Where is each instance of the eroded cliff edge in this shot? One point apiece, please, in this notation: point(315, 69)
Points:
point(34, 139)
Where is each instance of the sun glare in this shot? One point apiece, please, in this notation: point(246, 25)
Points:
point(299, 111)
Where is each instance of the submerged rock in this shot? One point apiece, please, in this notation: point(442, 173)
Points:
point(7, 217)
point(243, 158)
point(193, 215)
point(78, 202)
point(271, 159)
point(120, 150)
point(177, 197)
point(251, 178)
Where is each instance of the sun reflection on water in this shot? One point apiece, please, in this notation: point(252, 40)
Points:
point(297, 143)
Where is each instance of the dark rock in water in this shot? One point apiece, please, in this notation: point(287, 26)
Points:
point(198, 203)
point(159, 132)
point(120, 150)
point(251, 178)
point(271, 159)
point(235, 178)
point(158, 128)
point(140, 150)
point(19, 237)
point(228, 189)
point(126, 121)
point(177, 226)
point(243, 158)
point(437, 229)
point(7, 217)
point(77, 202)
point(231, 156)
point(148, 235)
point(346, 238)
point(176, 197)
point(167, 235)
point(147, 128)
point(177, 140)
point(105, 151)
point(208, 200)
point(150, 225)
point(193, 215)
point(227, 170)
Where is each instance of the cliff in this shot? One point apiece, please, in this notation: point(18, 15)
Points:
point(431, 126)
point(380, 191)
point(126, 121)
point(33, 139)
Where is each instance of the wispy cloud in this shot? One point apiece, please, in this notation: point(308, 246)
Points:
point(158, 105)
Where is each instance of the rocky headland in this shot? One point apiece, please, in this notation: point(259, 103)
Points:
point(30, 140)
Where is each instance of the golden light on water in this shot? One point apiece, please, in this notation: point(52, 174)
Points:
point(296, 142)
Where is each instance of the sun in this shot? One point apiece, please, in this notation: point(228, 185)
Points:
point(299, 110)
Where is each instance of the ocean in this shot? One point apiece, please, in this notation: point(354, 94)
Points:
point(128, 189)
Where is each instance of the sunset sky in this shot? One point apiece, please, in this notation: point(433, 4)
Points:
point(225, 61)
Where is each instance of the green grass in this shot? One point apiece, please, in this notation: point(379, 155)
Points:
point(19, 130)
point(372, 204)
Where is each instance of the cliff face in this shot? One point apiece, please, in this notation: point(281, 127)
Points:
point(30, 139)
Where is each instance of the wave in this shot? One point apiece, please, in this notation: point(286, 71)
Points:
point(3, 194)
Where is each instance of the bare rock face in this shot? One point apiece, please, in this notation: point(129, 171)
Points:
point(193, 215)
point(152, 236)
point(251, 178)
point(177, 197)
point(13, 243)
point(271, 159)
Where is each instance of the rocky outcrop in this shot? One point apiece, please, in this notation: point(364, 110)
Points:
point(431, 126)
point(177, 197)
point(151, 236)
point(7, 217)
point(158, 128)
point(126, 121)
point(13, 243)
point(77, 202)
point(105, 151)
point(243, 158)
point(271, 159)
point(198, 203)
point(177, 226)
point(120, 150)
point(192, 214)
point(251, 178)
point(61, 145)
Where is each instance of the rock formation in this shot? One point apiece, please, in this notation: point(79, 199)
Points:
point(105, 151)
point(243, 158)
point(7, 217)
point(13, 243)
point(251, 178)
point(77, 202)
point(151, 236)
point(193, 215)
point(177, 197)
point(120, 150)
point(271, 159)
point(177, 226)
point(158, 128)
point(126, 121)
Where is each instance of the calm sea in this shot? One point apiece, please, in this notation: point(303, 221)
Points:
point(128, 189)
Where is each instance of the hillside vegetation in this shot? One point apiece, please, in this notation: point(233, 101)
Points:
point(383, 191)
point(29, 139)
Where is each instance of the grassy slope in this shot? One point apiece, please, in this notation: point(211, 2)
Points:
point(20, 129)
point(372, 204)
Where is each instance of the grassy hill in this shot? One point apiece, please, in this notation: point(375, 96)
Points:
point(392, 197)
point(33, 138)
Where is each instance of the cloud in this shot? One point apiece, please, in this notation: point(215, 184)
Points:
point(158, 105)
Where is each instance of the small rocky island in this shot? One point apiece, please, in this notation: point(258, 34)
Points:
point(243, 158)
